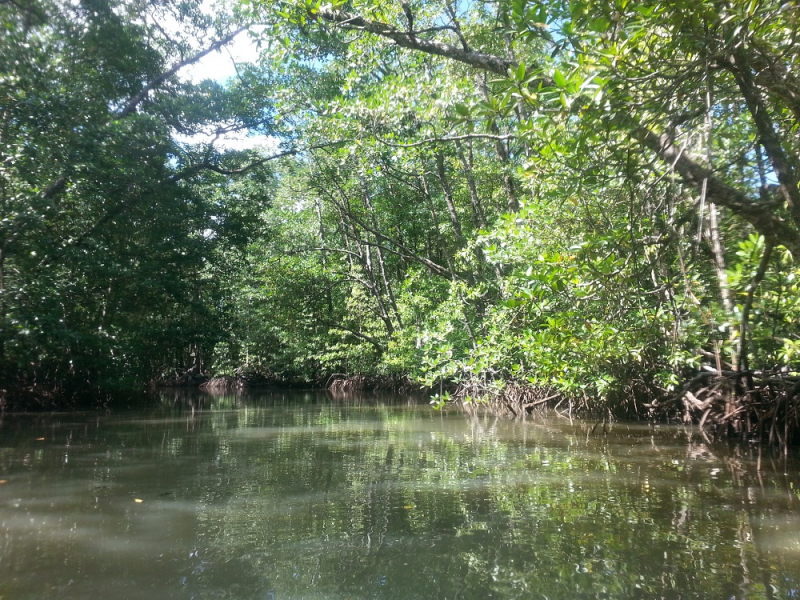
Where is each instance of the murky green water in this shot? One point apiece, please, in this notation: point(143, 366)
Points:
point(299, 496)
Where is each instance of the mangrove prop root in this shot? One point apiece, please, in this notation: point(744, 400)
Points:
point(762, 406)
point(341, 384)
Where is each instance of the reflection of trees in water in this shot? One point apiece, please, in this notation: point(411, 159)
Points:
point(180, 398)
point(297, 496)
point(329, 495)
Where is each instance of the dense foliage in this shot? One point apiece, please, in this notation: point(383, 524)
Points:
point(597, 200)
point(113, 237)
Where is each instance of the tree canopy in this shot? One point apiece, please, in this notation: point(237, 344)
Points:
point(595, 201)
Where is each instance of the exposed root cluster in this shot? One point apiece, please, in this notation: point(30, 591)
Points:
point(759, 406)
point(340, 384)
point(192, 377)
point(512, 398)
point(226, 382)
point(245, 380)
point(762, 406)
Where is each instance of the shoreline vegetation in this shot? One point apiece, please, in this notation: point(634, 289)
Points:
point(752, 406)
point(585, 207)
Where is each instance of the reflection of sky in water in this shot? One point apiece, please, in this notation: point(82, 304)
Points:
point(329, 500)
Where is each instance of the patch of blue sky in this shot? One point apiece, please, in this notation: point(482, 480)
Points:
point(222, 66)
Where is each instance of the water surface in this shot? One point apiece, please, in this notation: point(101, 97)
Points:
point(285, 496)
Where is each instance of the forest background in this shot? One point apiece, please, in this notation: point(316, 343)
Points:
point(577, 204)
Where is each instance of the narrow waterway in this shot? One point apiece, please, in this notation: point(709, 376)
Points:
point(287, 496)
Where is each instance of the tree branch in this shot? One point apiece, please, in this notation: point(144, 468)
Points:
point(480, 60)
point(207, 165)
point(185, 174)
point(151, 85)
point(454, 138)
point(59, 184)
point(362, 336)
point(781, 163)
point(757, 214)
point(400, 249)
point(54, 188)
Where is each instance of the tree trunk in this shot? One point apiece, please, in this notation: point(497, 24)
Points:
point(381, 262)
point(467, 163)
point(500, 149)
point(3, 310)
point(748, 304)
point(448, 198)
point(713, 225)
point(365, 252)
point(435, 226)
point(324, 256)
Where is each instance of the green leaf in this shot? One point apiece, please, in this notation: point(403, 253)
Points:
point(600, 24)
point(520, 74)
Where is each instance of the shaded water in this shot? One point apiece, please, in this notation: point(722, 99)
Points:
point(279, 496)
